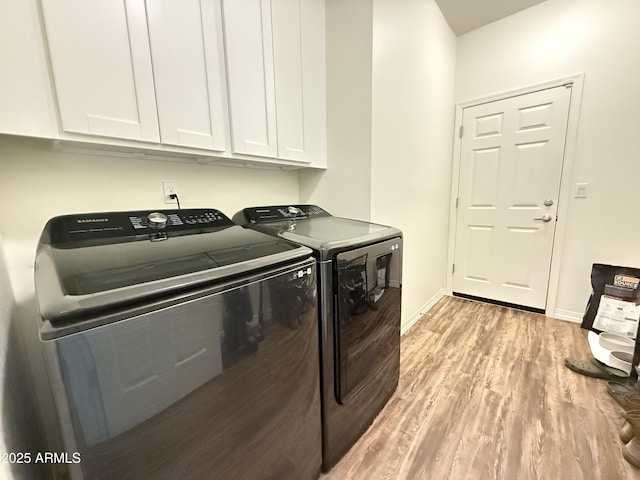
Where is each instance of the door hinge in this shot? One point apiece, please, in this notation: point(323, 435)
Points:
point(457, 198)
point(453, 268)
point(461, 131)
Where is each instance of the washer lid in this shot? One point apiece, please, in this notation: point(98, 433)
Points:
point(330, 233)
point(314, 227)
point(76, 276)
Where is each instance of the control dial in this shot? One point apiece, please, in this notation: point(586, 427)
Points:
point(157, 220)
point(293, 210)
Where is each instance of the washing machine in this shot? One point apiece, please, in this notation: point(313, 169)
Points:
point(359, 267)
point(179, 345)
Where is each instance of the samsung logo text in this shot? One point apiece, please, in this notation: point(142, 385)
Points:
point(92, 220)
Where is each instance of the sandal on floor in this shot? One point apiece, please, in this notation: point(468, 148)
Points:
point(621, 393)
point(588, 368)
point(607, 369)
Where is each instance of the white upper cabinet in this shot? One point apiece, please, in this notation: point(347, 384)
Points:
point(102, 67)
point(247, 35)
point(275, 58)
point(27, 106)
point(299, 68)
point(188, 67)
point(241, 79)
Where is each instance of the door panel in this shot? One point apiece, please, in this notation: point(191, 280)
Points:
point(102, 67)
point(248, 45)
point(186, 44)
point(510, 164)
point(289, 81)
point(299, 72)
point(368, 306)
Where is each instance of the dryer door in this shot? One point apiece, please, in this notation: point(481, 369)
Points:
point(369, 287)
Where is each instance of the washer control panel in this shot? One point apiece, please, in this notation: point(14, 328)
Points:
point(277, 213)
point(107, 227)
point(179, 219)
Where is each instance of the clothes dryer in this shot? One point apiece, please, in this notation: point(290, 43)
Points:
point(359, 267)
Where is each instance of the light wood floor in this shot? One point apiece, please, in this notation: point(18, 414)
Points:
point(484, 394)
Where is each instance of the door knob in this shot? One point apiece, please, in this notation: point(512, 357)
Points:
point(544, 218)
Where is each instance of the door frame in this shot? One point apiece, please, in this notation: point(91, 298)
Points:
point(566, 181)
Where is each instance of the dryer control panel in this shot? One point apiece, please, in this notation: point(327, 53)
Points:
point(282, 212)
point(113, 227)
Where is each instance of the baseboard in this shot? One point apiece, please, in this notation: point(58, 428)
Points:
point(567, 315)
point(421, 311)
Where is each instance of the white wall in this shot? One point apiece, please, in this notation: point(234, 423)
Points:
point(20, 427)
point(344, 189)
point(390, 81)
point(38, 183)
point(412, 121)
point(555, 39)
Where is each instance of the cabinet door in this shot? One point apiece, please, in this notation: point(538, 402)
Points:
point(102, 67)
point(247, 35)
point(26, 97)
point(299, 69)
point(188, 69)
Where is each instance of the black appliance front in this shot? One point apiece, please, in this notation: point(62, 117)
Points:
point(218, 380)
point(360, 290)
point(368, 317)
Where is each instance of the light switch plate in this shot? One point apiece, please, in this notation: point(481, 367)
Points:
point(581, 190)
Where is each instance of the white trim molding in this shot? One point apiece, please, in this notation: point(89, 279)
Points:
point(404, 328)
point(567, 315)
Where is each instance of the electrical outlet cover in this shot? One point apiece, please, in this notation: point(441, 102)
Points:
point(170, 188)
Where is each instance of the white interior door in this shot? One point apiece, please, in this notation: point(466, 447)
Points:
point(511, 157)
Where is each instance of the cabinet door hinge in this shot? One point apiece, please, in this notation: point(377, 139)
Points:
point(457, 198)
point(453, 268)
point(461, 131)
